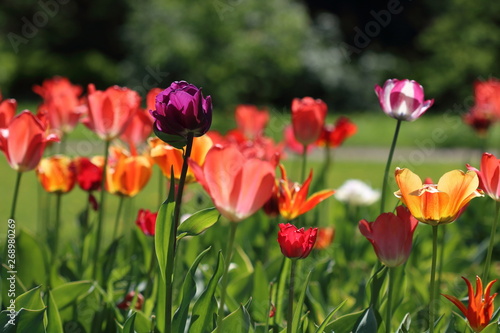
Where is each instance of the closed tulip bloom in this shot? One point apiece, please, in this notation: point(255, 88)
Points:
point(88, 173)
point(296, 243)
point(391, 235)
point(166, 156)
point(308, 118)
point(61, 102)
point(7, 111)
point(251, 121)
point(182, 109)
point(138, 129)
point(238, 186)
point(489, 175)
point(127, 175)
point(24, 140)
point(487, 96)
point(56, 174)
point(439, 203)
point(110, 111)
point(334, 135)
point(480, 306)
point(292, 197)
point(146, 221)
point(292, 143)
point(402, 99)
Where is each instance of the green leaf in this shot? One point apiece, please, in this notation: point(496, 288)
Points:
point(237, 322)
point(198, 222)
point(205, 309)
point(491, 328)
point(128, 327)
point(30, 253)
point(344, 323)
point(300, 304)
point(375, 283)
point(367, 322)
point(280, 293)
point(404, 327)
point(174, 140)
point(164, 232)
point(68, 293)
point(188, 292)
point(26, 321)
point(54, 323)
point(322, 327)
point(260, 294)
point(30, 300)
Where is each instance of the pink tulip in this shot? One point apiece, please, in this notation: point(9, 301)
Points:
point(24, 141)
point(402, 99)
point(7, 111)
point(238, 186)
point(489, 175)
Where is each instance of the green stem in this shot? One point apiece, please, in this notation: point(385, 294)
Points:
point(16, 194)
point(441, 259)
point(388, 166)
point(100, 218)
point(225, 278)
point(432, 308)
point(389, 300)
point(291, 293)
point(117, 218)
point(56, 228)
point(304, 162)
point(487, 264)
point(161, 186)
point(169, 270)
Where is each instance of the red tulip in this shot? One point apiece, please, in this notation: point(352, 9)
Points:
point(125, 304)
point(23, 141)
point(251, 121)
point(308, 118)
point(334, 135)
point(138, 129)
point(238, 186)
point(480, 119)
point(7, 111)
point(487, 96)
point(480, 308)
point(391, 235)
point(88, 173)
point(489, 175)
point(61, 103)
point(146, 221)
point(110, 111)
point(296, 243)
point(292, 143)
point(56, 174)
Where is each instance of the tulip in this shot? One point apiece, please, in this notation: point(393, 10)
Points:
point(480, 307)
point(292, 197)
point(61, 103)
point(23, 141)
point(308, 118)
point(292, 143)
point(128, 175)
point(251, 121)
point(88, 173)
point(166, 156)
point(439, 203)
point(325, 238)
point(489, 175)
point(391, 235)
point(137, 130)
point(480, 119)
point(296, 243)
point(110, 111)
point(238, 186)
point(146, 221)
point(7, 111)
point(181, 109)
point(125, 304)
point(56, 174)
point(334, 135)
point(402, 99)
point(487, 96)
point(355, 192)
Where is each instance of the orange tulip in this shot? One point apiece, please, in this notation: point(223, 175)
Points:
point(238, 186)
point(480, 308)
point(166, 156)
point(251, 121)
point(127, 175)
point(325, 238)
point(57, 174)
point(24, 141)
point(308, 118)
point(292, 200)
point(7, 111)
point(110, 111)
point(439, 203)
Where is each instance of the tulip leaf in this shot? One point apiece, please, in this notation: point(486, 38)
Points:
point(25, 321)
point(164, 232)
point(205, 309)
point(32, 255)
point(30, 300)
point(237, 322)
point(491, 328)
point(128, 326)
point(344, 323)
point(367, 322)
point(67, 293)
point(54, 323)
point(260, 294)
point(198, 222)
point(175, 141)
point(280, 293)
point(300, 303)
point(322, 327)
point(404, 327)
point(188, 292)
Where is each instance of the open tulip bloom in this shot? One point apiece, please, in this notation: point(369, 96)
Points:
point(480, 308)
point(402, 99)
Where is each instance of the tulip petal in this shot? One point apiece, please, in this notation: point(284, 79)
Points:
point(314, 200)
point(459, 186)
point(408, 184)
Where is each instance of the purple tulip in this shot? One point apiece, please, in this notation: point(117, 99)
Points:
point(182, 109)
point(402, 100)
